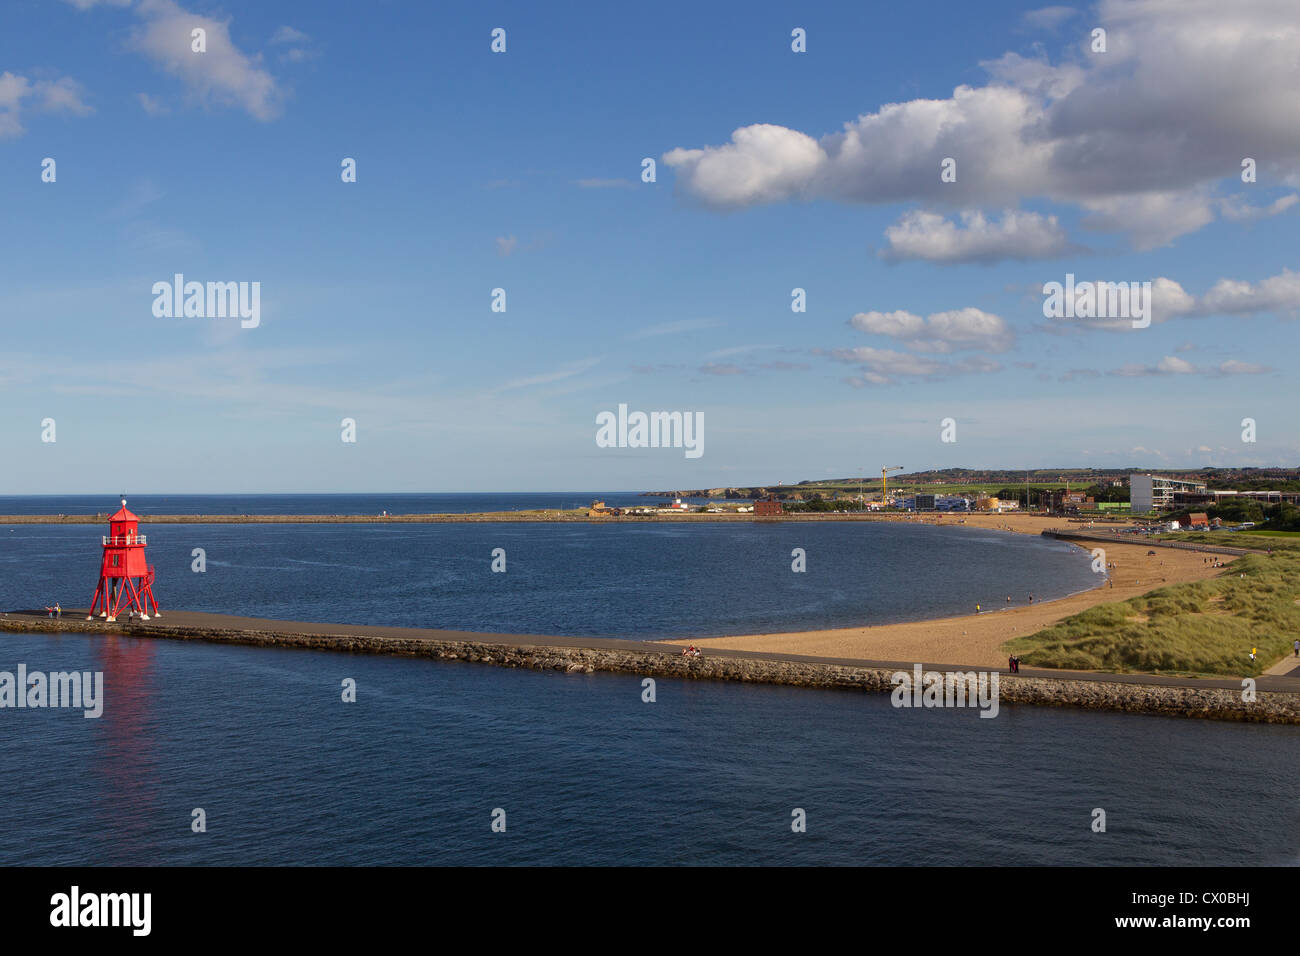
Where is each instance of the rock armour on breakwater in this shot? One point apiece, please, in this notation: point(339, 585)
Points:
point(1175, 701)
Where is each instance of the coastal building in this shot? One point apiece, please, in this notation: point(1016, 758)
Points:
point(1067, 502)
point(767, 506)
point(1219, 496)
point(1156, 493)
point(952, 503)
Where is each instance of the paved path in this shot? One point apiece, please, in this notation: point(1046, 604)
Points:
point(1288, 666)
point(1283, 681)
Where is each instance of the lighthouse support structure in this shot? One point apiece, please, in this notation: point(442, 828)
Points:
point(125, 577)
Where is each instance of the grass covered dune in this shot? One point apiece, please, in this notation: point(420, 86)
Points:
point(1198, 628)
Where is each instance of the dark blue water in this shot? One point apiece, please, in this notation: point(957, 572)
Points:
point(592, 579)
point(589, 774)
point(395, 504)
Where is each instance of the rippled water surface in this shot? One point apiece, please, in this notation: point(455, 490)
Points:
point(588, 773)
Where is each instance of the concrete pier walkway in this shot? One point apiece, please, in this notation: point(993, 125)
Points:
point(263, 631)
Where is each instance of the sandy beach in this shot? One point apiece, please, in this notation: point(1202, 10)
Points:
point(976, 639)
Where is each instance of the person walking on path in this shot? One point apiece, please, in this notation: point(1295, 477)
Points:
point(1296, 647)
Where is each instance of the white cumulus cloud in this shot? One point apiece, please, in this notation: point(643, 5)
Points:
point(941, 332)
point(925, 235)
point(1137, 137)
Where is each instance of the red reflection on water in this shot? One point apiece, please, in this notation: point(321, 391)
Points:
point(125, 761)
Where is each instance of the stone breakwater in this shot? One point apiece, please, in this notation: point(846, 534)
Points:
point(1169, 700)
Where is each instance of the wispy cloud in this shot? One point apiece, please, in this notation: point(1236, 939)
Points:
point(606, 183)
point(1238, 210)
point(558, 375)
point(152, 105)
point(1172, 365)
point(721, 368)
point(675, 328)
point(19, 95)
point(886, 366)
point(1048, 18)
point(222, 76)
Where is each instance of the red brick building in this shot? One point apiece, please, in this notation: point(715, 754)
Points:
point(767, 506)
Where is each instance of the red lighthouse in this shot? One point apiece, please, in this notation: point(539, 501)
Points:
point(123, 566)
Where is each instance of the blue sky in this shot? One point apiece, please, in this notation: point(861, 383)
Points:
point(521, 171)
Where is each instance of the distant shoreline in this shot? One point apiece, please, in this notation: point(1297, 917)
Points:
point(973, 519)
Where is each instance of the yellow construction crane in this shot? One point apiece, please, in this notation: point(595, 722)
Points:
point(884, 484)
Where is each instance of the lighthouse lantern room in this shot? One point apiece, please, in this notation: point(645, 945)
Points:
point(125, 579)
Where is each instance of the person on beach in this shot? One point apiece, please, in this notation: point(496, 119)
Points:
point(58, 609)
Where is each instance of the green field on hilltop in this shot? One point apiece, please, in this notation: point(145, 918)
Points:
point(873, 487)
point(1201, 628)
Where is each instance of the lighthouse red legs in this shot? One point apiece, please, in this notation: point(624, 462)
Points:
point(122, 566)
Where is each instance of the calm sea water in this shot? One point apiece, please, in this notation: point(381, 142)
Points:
point(588, 774)
point(397, 504)
point(642, 580)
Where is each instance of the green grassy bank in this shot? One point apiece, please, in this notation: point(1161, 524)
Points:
point(1202, 628)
